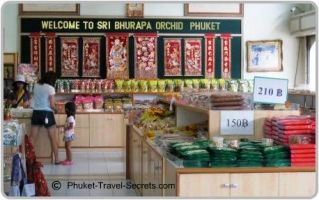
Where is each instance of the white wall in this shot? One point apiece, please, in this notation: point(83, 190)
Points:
point(9, 28)
point(270, 22)
point(262, 21)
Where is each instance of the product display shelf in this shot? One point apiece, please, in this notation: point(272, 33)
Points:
point(213, 182)
point(115, 93)
point(187, 114)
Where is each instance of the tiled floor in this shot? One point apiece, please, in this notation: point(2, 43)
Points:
point(92, 174)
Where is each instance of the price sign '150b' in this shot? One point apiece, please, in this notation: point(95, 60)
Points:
point(239, 122)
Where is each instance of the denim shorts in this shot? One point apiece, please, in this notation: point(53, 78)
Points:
point(69, 138)
point(38, 118)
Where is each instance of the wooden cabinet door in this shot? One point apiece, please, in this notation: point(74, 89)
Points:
point(254, 185)
point(158, 174)
point(106, 130)
point(146, 175)
point(203, 185)
point(137, 159)
point(82, 138)
point(42, 145)
point(297, 184)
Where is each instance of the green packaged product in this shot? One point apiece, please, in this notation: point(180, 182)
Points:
point(277, 155)
point(187, 147)
point(214, 84)
point(274, 148)
point(180, 144)
point(161, 85)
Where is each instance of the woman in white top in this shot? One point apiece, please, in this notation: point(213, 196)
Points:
point(43, 106)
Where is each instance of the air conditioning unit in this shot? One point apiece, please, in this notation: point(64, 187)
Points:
point(303, 24)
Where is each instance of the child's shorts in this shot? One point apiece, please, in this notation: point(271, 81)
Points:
point(69, 138)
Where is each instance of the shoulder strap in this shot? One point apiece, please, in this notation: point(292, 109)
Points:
point(16, 105)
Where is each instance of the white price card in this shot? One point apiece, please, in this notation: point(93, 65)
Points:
point(237, 122)
point(270, 90)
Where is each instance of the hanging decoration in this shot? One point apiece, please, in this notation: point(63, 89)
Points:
point(210, 55)
point(50, 51)
point(145, 55)
point(69, 57)
point(91, 57)
point(226, 55)
point(117, 55)
point(36, 51)
point(172, 57)
point(193, 57)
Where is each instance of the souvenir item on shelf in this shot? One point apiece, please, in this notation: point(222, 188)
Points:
point(146, 56)
point(205, 83)
point(59, 106)
point(222, 84)
point(143, 86)
point(196, 84)
point(69, 57)
point(50, 51)
point(210, 54)
point(30, 72)
point(232, 86)
point(98, 102)
point(127, 86)
point(117, 56)
point(243, 86)
point(179, 85)
point(91, 57)
point(87, 103)
point(303, 154)
point(35, 51)
point(119, 85)
point(134, 86)
point(228, 101)
point(172, 57)
point(189, 83)
point(193, 57)
point(214, 84)
point(291, 129)
point(161, 85)
point(170, 85)
point(226, 55)
point(152, 86)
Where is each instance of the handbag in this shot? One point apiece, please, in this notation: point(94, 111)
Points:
point(28, 189)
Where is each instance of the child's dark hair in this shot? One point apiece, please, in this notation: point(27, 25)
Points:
point(70, 108)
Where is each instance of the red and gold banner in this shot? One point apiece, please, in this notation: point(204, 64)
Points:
point(91, 57)
point(193, 57)
point(210, 55)
point(117, 46)
point(226, 55)
point(35, 51)
point(69, 57)
point(172, 57)
point(50, 51)
point(145, 55)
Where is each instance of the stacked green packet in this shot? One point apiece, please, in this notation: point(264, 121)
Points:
point(223, 157)
point(277, 156)
point(195, 158)
point(192, 154)
point(250, 155)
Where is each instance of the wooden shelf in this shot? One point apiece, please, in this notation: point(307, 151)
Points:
point(245, 170)
point(95, 113)
point(189, 107)
point(117, 93)
point(302, 92)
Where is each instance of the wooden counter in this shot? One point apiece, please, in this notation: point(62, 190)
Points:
point(147, 163)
